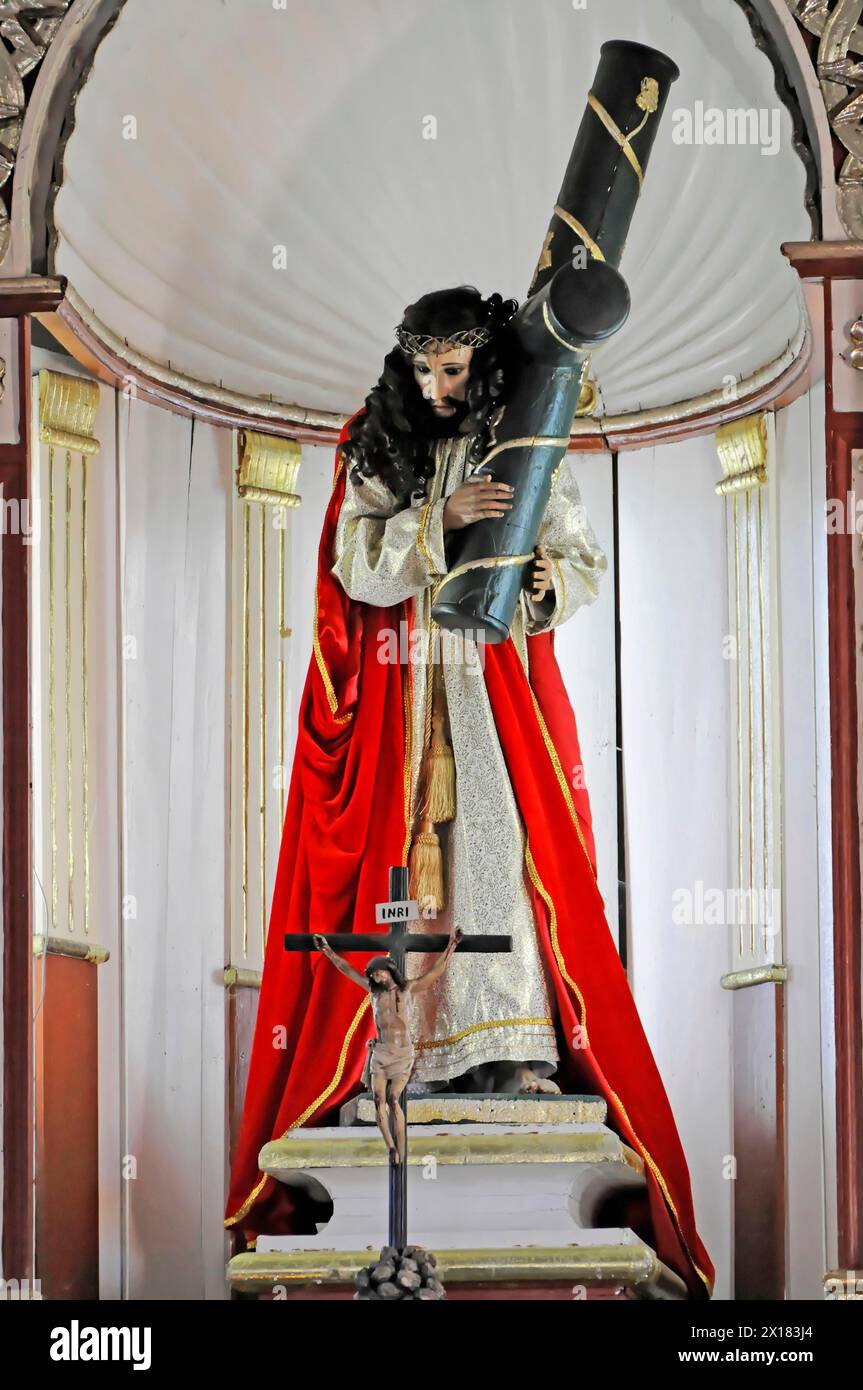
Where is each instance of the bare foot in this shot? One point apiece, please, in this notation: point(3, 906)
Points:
point(528, 1083)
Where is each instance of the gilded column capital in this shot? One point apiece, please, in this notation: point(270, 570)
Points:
point(67, 412)
point(267, 469)
point(742, 450)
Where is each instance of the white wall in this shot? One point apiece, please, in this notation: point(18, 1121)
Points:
point(174, 486)
point(585, 650)
point(676, 728)
point(807, 879)
point(158, 554)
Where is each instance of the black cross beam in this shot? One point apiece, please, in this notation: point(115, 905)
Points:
point(396, 942)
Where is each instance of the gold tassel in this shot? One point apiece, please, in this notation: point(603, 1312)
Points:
point(439, 801)
point(426, 869)
point(425, 863)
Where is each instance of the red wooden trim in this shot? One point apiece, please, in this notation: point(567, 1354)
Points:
point(828, 260)
point(17, 861)
point(844, 434)
point(67, 1130)
point(30, 294)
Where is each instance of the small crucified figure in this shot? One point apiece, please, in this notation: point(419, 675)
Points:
point(392, 1050)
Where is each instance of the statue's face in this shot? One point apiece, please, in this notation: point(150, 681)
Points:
point(384, 978)
point(442, 377)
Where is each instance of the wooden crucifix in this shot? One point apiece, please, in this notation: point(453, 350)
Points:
point(392, 1052)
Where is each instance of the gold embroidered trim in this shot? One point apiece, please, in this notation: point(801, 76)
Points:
point(432, 568)
point(564, 785)
point(617, 134)
point(558, 569)
point(332, 700)
point(665, 1192)
point(580, 231)
point(546, 897)
point(309, 1110)
point(555, 942)
point(407, 702)
point(483, 1028)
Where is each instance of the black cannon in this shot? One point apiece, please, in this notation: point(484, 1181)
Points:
point(577, 299)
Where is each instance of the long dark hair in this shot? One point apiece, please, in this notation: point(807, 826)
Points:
point(384, 963)
point(392, 438)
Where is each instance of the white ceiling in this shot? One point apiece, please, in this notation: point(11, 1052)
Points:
point(259, 127)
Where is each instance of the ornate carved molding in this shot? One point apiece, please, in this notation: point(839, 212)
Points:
point(788, 97)
point(27, 28)
point(836, 23)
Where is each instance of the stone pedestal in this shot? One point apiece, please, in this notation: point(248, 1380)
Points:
point(507, 1191)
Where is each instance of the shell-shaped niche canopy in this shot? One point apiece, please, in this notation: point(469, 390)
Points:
point(252, 192)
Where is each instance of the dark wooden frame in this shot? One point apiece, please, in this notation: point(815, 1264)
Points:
point(19, 298)
point(18, 1154)
point(829, 261)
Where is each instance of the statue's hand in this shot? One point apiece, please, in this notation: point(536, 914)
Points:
point(541, 577)
point(321, 944)
point(478, 498)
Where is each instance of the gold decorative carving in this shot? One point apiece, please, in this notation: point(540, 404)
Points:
point(242, 979)
point(617, 134)
point(648, 98)
point(27, 29)
point(742, 449)
point(545, 254)
point(588, 397)
point(758, 975)
point(77, 950)
point(268, 468)
point(840, 71)
point(854, 355)
point(755, 902)
point(68, 406)
point(580, 231)
point(67, 412)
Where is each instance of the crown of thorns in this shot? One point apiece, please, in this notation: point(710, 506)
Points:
point(424, 342)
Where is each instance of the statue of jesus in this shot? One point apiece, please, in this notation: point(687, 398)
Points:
point(458, 760)
point(414, 478)
point(391, 1050)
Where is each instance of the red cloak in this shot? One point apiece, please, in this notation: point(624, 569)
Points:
point(347, 820)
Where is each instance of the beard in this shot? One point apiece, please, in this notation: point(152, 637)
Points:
point(442, 426)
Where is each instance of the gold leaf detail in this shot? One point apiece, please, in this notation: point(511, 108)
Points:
point(648, 97)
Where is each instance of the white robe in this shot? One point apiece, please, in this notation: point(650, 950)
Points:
point(485, 1008)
